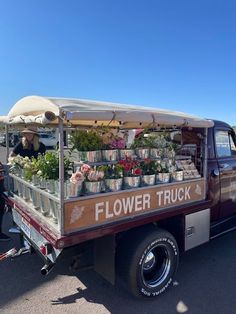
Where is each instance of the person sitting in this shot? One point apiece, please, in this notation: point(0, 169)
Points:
point(29, 146)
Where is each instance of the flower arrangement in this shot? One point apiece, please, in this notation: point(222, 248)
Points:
point(17, 162)
point(77, 177)
point(91, 174)
point(114, 171)
point(23, 166)
point(86, 140)
point(148, 166)
point(131, 168)
point(48, 166)
point(141, 141)
point(112, 139)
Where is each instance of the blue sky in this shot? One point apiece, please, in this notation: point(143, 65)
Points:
point(178, 55)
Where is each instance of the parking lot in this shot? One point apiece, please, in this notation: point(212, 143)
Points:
point(205, 283)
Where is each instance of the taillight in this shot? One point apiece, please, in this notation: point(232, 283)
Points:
point(46, 249)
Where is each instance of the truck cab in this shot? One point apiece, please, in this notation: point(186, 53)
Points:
point(222, 175)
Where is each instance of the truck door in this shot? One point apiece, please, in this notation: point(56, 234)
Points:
point(226, 156)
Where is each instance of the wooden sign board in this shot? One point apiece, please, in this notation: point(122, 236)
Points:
point(109, 207)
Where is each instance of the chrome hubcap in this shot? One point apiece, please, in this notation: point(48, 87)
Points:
point(156, 266)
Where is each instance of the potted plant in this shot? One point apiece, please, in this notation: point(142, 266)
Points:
point(141, 145)
point(131, 172)
point(163, 174)
point(149, 168)
point(113, 177)
point(75, 184)
point(48, 169)
point(93, 178)
point(113, 141)
point(88, 143)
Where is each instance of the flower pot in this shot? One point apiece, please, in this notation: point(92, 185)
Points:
point(148, 179)
point(113, 185)
point(178, 176)
point(163, 177)
point(74, 189)
point(93, 187)
point(124, 153)
point(142, 153)
point(90, 156)
point(110, 154)
point(131, 182)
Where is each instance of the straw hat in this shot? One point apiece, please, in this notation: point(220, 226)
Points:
point(31, 129)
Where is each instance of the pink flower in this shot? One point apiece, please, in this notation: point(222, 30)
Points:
point(85, 168)
point(77, 177)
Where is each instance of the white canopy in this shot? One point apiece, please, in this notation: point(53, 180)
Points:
point(81, 112)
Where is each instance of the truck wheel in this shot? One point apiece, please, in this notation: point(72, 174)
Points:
point(149, 262)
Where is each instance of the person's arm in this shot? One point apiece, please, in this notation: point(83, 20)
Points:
point(12, 154)
point(16, 150)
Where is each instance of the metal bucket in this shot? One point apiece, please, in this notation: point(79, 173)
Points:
point(124, 153)
point(73, 189)
point(91, 156)
point(93, 187)
point(110, 154)
point(131, 182)
point(178, 176)
point(163, 177)
point(42, 183)
point(35, 179)
point(155, 153)
point(54, 211)
point(36, 199)
point(113, 185)
point(44, 205)
point(148, 179)
point(142, 153)
point(26, 193)
point(20, 189)
point(15, 185)
point(51, 186)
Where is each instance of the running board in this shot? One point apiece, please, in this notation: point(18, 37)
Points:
point(222, 233)
point(222, 227)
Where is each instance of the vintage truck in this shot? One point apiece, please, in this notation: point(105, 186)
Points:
point(136, 234)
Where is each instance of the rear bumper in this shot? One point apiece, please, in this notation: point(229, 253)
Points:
point(34, 238)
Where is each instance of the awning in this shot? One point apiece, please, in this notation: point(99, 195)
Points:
point(81, 112)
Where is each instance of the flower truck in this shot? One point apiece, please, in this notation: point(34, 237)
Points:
point(136, 187)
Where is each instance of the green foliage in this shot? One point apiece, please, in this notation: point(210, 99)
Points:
point(149, 166)
point(48, 166)
point(112, 171)
point(83, 140)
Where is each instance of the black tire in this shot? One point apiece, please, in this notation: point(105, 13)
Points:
point(148, 262)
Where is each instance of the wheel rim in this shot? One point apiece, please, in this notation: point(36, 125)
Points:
point(155, 267)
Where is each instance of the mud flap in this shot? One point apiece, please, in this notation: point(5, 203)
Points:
point(104, 257)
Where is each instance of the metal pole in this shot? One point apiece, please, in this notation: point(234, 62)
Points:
point(205, 154)
point(7, 142)
point(61, 172)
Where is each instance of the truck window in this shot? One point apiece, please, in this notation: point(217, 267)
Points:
point(225, 146)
